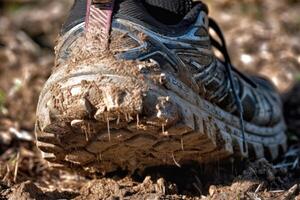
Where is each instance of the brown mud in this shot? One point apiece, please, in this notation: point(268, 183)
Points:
point(263, 37)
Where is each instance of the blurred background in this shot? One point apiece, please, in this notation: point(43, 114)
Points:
point(263, 37)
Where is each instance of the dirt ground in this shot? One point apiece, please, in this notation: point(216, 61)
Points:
point(263, 37)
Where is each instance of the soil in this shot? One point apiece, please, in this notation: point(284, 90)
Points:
point(263, 37)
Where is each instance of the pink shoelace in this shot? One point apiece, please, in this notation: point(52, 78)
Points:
point(99, 17)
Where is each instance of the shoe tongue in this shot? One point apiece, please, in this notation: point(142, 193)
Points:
point(179, 7)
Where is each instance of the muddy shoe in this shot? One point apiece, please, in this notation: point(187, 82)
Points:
point(157, 95)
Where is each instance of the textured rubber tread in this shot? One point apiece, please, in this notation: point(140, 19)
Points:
point(113, 129)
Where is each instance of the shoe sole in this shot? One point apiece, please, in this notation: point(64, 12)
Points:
point(99, 122)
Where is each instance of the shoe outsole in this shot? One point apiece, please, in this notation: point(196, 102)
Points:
point(98, 123)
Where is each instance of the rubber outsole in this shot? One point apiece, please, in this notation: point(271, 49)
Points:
point(98, 123)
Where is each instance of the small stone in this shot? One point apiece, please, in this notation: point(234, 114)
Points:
point(212, 190)
point(161, 186)
point(147, 180)
point(76, 123)
point(163, 79)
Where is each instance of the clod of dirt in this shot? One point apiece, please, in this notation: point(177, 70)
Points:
point(237, 190)
point(259, 177)
point(262, 170)
point(128, 189)
point(100, 189)
point(24, 191)
point(29, 191)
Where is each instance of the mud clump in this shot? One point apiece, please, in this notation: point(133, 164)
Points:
point(29, 191)
point(24, 191)
point(259, 181)
point(128, 189)
point(262, 170)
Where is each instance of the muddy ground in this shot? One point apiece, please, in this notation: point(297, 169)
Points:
point(263, 37)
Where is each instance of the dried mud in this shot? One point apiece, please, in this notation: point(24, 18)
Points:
point(263, 37)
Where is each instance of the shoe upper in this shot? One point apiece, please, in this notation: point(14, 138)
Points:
point(185, 51)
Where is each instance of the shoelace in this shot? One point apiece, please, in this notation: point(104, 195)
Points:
point(229, 69)
point(99, 17)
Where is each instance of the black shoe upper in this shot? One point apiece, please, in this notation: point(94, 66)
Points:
point(76, 16)
point(164, 12)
